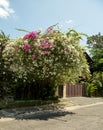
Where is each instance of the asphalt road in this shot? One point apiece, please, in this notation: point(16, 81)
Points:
point(81, 118)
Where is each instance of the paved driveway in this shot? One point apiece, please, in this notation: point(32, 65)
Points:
point(89, 117)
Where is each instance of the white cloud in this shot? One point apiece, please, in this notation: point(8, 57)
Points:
point(5, 9)
point(61, 25)
point(69, 21)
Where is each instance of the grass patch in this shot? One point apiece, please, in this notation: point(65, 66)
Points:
point(25, 103)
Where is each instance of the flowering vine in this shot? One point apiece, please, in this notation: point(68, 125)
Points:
point(52, 55)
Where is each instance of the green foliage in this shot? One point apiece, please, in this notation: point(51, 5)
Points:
point(95, 44)
point(5, 74)
point(95, 41)
point(26, 103)
point(39, 62)
point(91, 89)
point(95, 85)
point(50, 56)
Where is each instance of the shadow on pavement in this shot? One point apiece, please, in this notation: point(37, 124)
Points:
point(33, 115)
point(45, 115)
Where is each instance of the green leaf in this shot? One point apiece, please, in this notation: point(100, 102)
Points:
point(101, 61)
point(23, 30)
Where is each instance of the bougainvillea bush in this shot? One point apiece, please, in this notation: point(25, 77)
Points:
point(5, 73)
point(52, 57)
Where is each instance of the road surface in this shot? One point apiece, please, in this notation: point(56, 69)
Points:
point(80, 118)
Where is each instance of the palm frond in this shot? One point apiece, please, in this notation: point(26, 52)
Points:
point(22, 30)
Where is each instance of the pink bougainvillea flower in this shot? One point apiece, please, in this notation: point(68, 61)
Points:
point(43, 40)
point(50, 45)
point(49, 29)
point(34, 56)
point(46, 45)
point(26, 47)
point(46, 52)
point(32, 35)
point(26, 36)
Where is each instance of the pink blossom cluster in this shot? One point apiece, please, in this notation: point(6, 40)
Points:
point(26, 47)
point(49, 29)
point(45, 44)
point(34, 56)
point(43, 40)
point(46, 52)
point(32, 35)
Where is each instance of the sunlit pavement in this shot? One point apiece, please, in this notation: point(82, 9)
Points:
point(87, 116)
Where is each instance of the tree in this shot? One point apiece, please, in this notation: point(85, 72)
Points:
point(46, 60)
point(5, 74)
point(95, 44)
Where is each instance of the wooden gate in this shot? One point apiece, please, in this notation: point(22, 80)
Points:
point(60, 91)
point(72, 90)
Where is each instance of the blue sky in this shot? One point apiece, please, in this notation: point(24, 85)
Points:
point(83, 15)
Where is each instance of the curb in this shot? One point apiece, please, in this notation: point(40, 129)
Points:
point(83, 106)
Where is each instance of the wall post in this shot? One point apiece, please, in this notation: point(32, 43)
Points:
point(64, 90)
